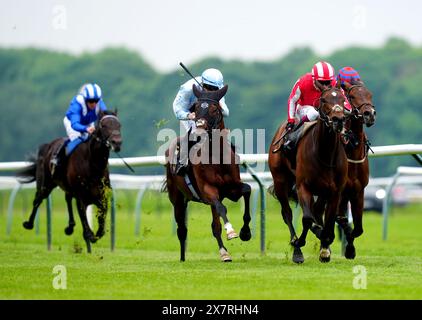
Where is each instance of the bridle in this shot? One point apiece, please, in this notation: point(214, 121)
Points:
point(106, 140)
point(325, 116)
point(356, 109)
point(205, 105)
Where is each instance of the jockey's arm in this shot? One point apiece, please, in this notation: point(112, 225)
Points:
point(224, 108)
point(292, 102)
point(182, 103)
point(74, 115)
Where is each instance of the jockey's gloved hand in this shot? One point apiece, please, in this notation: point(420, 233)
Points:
point(290, 125)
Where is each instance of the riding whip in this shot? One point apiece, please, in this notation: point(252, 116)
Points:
point(127, 165)
point(188, 72)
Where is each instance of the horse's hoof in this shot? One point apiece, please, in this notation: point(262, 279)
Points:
point(224, 255)
point(245, 234)
point(99, 234)
point(298, 256)
point(350, 252)
point(28, 225)
point(231, 235)
point(90, 237)
point(324, 255)
point(68, 231)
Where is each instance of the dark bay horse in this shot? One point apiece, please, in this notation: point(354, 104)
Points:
point(213, 173)
point(363, 113)
point(319, 169)
point(84, 175)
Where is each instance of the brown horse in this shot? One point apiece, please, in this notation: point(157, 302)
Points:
point(212, 176)
point(318, 169)
point(83, 176)
point(357, 156)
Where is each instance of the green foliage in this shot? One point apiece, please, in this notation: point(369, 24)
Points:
point(37, 86)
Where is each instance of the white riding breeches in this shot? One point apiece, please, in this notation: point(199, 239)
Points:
point(309, 111)
point(72, 133)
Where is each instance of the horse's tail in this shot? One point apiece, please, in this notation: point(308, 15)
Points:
point(29, 173)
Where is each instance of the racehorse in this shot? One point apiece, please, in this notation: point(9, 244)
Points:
point(212, 176)
point(319, 168)
point(363, 112)
point(84, 175)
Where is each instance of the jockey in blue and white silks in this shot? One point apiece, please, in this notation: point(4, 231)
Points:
point(211, 79)
point(79, 121)
point(83, 112)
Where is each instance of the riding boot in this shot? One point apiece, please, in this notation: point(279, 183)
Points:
point(291, 139)
point(57, 158)
point(183, 156)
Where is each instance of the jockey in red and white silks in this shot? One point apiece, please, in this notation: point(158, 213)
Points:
point(304, 99)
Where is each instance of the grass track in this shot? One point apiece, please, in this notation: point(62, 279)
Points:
point(148, 267)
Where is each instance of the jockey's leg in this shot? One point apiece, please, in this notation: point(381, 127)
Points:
point(183, 148)
point(305, 114)
point(57, 158)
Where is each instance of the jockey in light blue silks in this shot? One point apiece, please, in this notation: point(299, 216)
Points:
point(211, 80)
point(80, 118)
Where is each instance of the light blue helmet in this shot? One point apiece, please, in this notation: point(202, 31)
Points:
point(91, 91)
point(213, 77)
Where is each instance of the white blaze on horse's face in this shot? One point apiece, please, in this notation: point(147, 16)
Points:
point(337, 108)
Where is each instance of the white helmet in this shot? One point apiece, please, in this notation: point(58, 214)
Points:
point(213, 77)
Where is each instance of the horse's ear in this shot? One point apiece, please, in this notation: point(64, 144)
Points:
point(338, 85)
point(196, 91)
point(222, 92)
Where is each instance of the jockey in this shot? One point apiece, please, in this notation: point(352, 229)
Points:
point(80, 119)
point(304, 99)
point(210, 80)
point(347, 74)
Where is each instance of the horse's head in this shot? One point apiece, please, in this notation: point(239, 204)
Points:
point(331, 107)
point(207, 109)
point(108, 130)
point(361, 100)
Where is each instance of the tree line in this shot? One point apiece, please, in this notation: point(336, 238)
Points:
point(37, 86)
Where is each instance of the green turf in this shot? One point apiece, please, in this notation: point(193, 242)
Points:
point(147, 266)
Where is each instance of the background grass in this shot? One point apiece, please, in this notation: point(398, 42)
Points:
point(147, 266)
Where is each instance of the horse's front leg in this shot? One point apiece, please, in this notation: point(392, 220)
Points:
point(245, 232)
point(327, 235)
point(87, 232)
point(356, 204)
point(216, 231)
point(306, 202)
point(102, 207)
point(243, 190)
point(211, 196)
